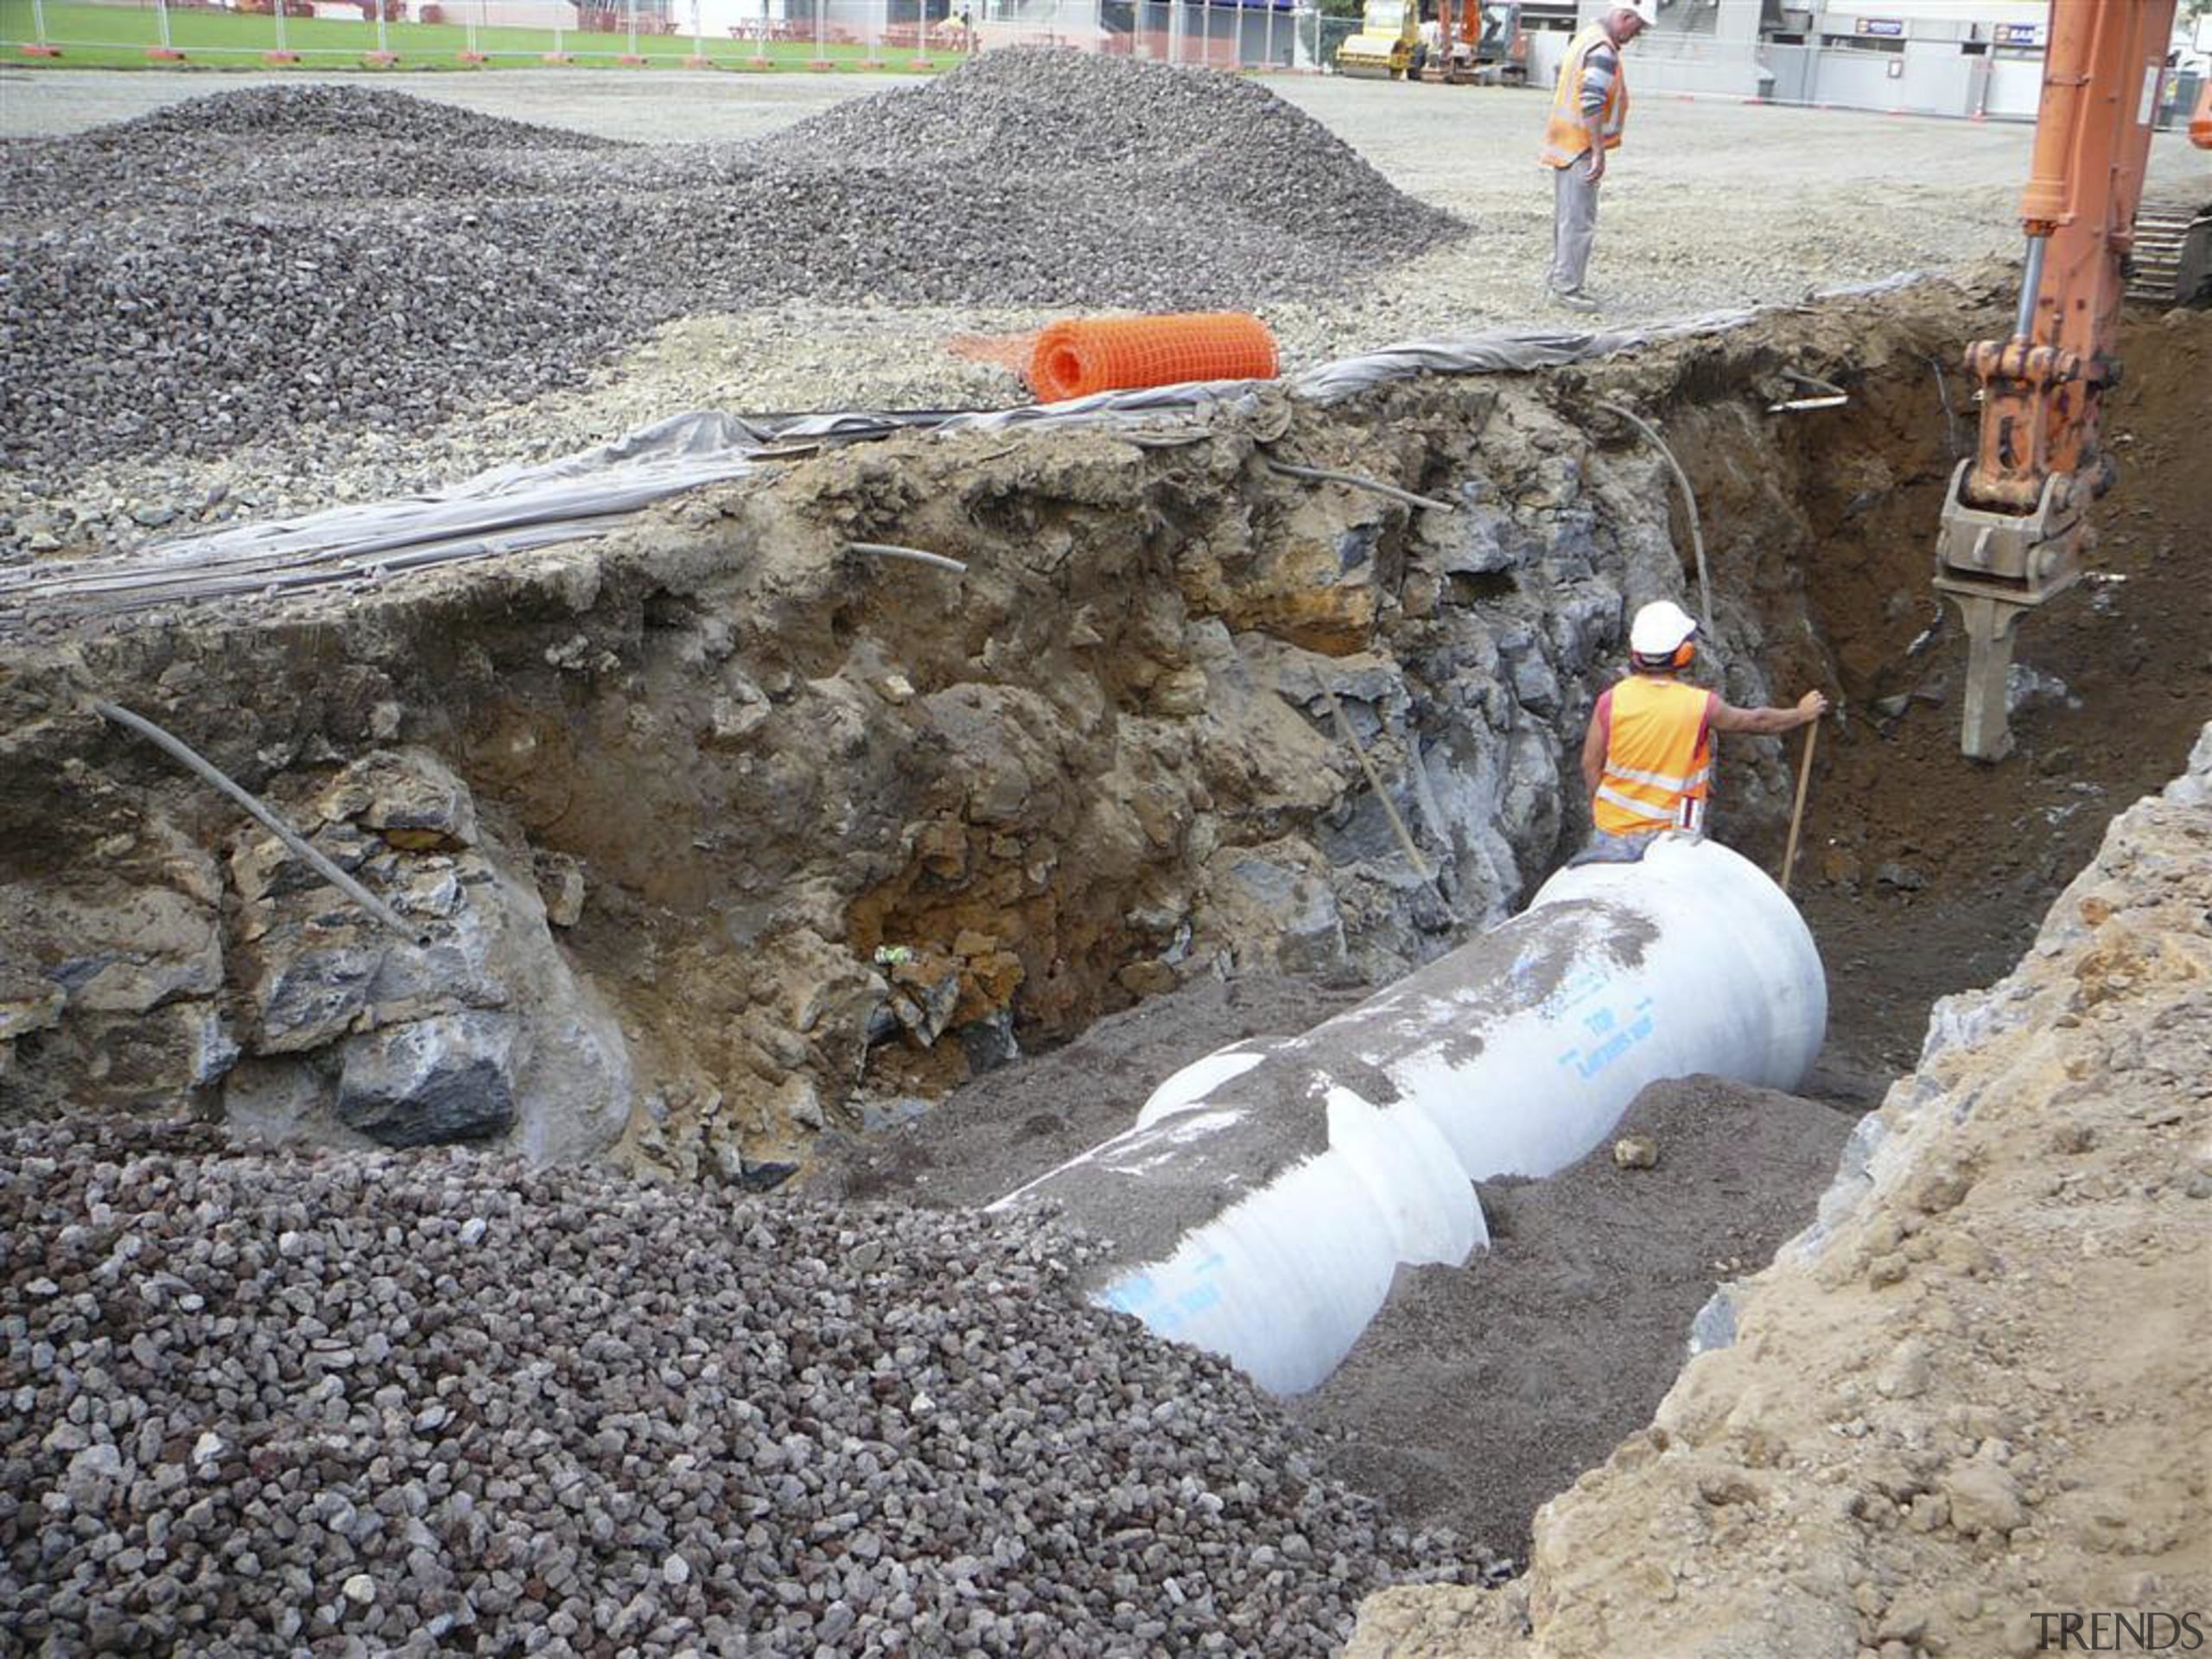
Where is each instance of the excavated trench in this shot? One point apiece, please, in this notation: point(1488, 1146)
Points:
point(1480, 1394)
point(740, 851)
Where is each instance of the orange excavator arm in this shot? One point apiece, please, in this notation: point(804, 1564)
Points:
point(1461, 26)
point(2014, 527)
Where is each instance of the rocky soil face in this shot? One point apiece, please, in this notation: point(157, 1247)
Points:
point(775, 838)
point(823, 831)
point(1970, 1395)
point(436, 1403)
point(164, 969)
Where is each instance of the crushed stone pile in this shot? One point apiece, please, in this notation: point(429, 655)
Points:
point(332, 111)
point(1196, 155)
point(411, 1404)
point(244, 265)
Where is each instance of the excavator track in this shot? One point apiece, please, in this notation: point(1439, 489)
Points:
point(2171, 264)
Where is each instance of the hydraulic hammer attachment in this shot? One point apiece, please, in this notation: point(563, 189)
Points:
point(2013, 532)
point(1997, 567)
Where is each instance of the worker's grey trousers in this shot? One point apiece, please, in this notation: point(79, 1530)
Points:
point(1574, 225)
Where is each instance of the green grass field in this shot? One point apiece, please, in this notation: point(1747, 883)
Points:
point(110, 38)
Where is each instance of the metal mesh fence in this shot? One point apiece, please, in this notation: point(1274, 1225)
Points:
point(1996, 79)
point(802, 34)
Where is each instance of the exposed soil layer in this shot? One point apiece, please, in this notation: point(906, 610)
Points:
point(1104, 769)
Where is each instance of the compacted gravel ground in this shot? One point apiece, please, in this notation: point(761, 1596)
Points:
point(402, 1404)
point(481, 293)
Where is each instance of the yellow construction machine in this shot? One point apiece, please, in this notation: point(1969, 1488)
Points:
point(1461, 42)
point(1383, 48)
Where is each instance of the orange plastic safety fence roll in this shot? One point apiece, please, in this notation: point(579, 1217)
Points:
point(1082, 355)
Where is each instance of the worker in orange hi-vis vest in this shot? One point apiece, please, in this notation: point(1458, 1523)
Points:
point(1647, 760)
point(1589, 109)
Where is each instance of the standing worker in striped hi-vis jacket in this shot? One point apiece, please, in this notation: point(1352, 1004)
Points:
point(1647, 760)
point(1589, 109)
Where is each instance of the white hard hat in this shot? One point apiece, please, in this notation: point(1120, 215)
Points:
point(1659, 627)
point(1648, 11)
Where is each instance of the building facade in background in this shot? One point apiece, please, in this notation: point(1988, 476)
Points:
point(1962, 58)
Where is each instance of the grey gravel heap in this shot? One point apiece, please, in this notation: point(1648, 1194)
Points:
point(1193, 158)
point(358, 1404)
point(238, 267)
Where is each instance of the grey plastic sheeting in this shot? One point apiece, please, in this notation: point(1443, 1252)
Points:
point(590, 494)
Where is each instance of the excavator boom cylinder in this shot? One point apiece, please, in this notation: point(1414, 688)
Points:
point(2014, 528)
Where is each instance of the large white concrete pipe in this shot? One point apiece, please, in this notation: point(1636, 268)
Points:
point(1269, 1191)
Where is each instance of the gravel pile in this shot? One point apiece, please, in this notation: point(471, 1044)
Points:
point(389, 1404)
point(248, 264)
point(332, 111)
point(1195, 155)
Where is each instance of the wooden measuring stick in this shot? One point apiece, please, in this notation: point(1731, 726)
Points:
point(1797, 812)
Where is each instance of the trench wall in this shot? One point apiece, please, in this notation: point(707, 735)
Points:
point(724, 834)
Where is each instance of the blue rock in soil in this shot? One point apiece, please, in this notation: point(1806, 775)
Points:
point(876, 1115)
point(1479, 542)
point(989, 1043)
point(765, 1177)
point(303, 997)
point(431, 1081)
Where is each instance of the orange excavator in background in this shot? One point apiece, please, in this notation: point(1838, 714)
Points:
point(1479, 39)
point(2015, 525)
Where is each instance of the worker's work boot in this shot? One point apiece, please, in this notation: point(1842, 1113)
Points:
point(1574, 301)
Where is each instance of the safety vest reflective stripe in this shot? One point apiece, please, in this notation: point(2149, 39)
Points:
point(1680, 785)
point(1565, 136)
point(1658, 755)
point(1629, 804)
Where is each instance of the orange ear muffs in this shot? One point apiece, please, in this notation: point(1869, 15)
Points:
point(1683, 653)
